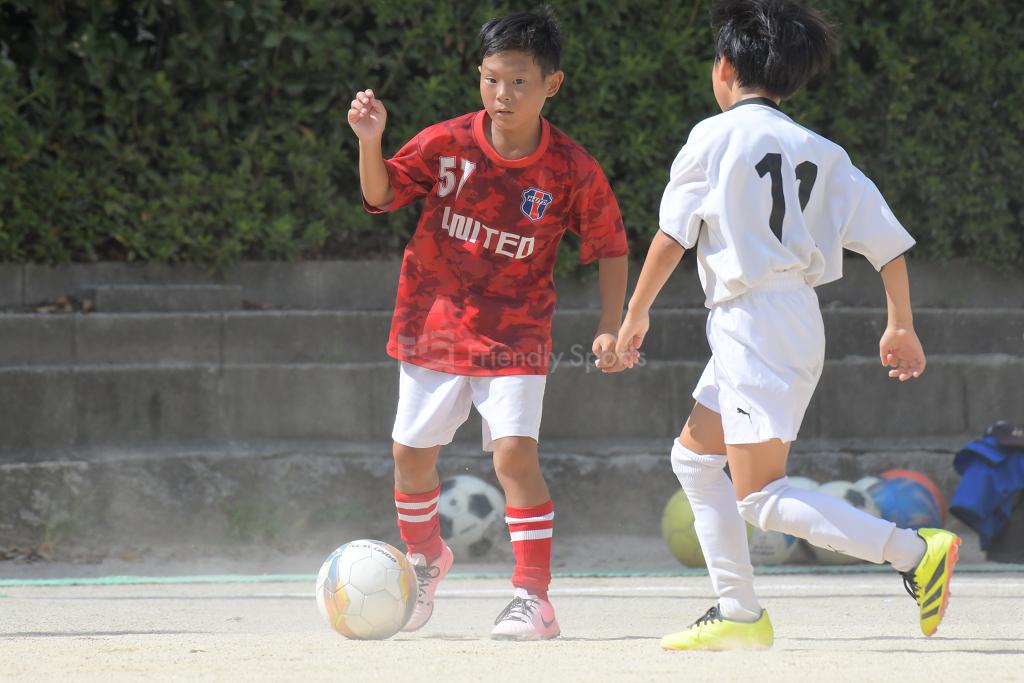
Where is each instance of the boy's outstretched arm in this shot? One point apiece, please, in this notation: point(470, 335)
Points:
point(368, 117)
point(662, 258)
point(612, 275)
point(899, 348)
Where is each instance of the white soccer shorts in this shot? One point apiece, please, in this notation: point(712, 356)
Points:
point(767, 353)
point(433, 405)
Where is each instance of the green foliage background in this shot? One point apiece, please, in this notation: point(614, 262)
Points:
point(203, 131)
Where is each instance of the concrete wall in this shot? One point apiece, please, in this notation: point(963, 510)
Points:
point(331, 337)
point(83, 411)
point(369, 285)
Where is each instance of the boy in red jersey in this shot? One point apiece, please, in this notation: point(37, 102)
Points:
point(472, 320)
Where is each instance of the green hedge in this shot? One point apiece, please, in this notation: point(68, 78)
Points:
point(212, 131)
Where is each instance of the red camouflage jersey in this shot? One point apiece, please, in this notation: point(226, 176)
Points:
point(476, 292)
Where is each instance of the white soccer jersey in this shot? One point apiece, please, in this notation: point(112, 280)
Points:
point(761, 195)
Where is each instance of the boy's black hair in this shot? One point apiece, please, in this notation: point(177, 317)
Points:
point(775, 45)
point(535, 33)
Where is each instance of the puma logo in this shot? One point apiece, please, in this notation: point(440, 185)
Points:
point(743, 412)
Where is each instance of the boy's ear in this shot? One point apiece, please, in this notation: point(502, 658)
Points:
point(725, 71)
point(552, 82)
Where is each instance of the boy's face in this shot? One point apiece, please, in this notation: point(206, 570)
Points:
point(513, 89)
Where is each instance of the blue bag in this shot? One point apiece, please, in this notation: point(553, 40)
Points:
point(993, 474)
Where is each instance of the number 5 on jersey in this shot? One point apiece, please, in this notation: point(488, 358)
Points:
point(446, 176)
point(806, 173)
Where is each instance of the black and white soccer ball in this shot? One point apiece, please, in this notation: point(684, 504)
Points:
point(472, 515)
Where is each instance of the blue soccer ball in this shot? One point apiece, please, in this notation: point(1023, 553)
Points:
point(907, 503)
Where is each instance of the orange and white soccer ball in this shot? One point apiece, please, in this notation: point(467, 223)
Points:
point(366, 590)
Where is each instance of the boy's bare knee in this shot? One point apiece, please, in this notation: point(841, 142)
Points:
point(515, 457)
point(703, 433)
point(413, 463)
point(407, 456)
point(754, 466)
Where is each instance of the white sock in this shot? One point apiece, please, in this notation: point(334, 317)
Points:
point(720, 530)
point(904, 549)
point(821, 519)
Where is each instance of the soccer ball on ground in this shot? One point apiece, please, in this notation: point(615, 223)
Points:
point(678, 532)
point(925, 481)
point(366, 590)
point(472, 513)
point(771, 547)
point(858, 499)
point(906, 503)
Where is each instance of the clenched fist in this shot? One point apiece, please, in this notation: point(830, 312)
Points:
point(367, 116)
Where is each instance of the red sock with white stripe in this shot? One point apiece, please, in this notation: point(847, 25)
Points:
point(531, 529)
point(418, 522)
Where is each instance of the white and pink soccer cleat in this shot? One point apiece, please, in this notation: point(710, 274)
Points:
point(428, 576)
point(527, 617)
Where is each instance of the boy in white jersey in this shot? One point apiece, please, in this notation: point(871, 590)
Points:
point(770, 205)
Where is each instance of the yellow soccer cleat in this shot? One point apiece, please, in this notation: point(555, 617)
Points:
point(714, 632)
point(928, 584)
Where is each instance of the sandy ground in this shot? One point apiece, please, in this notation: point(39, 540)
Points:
point(859, 627)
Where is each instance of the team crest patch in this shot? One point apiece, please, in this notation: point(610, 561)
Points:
point(535, 203)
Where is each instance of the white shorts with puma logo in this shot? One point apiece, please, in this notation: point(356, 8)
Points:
point(767, 353)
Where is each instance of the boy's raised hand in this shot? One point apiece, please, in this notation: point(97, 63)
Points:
point(367, 116)
point(901, 350)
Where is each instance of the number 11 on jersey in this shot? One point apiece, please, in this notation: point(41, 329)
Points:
point(806, 173)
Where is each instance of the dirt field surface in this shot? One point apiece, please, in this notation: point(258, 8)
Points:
point(834, 627)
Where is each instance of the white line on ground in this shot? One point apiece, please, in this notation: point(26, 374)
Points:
point(697, 590)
